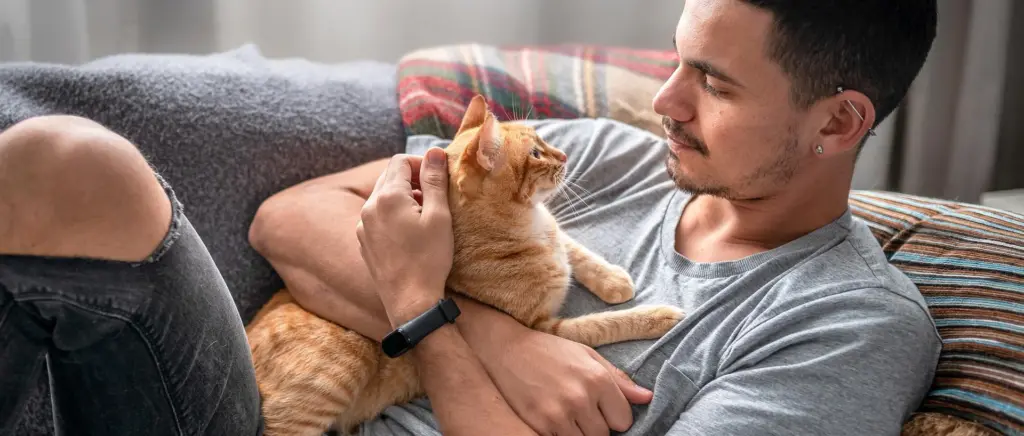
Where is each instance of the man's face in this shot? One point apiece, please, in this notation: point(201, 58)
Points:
point(732, 129)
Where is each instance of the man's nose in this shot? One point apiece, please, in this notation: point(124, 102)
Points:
point(673, 100)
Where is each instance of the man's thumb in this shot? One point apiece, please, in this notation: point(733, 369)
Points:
point(434, 178)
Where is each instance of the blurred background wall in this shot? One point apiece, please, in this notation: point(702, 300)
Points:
point(960, 133)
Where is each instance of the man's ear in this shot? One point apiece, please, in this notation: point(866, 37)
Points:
point(474, 115)
point(845, 129)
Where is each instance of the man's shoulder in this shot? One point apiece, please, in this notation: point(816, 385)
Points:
point(844, 301)
point(853, 279)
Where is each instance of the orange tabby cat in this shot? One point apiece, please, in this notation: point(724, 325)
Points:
point(509, 253)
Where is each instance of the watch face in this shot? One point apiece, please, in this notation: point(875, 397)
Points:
point(395, 344)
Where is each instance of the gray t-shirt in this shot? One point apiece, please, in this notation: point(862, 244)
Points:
point(821, 336)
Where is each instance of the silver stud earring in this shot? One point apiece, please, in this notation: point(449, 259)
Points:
point(819, 149)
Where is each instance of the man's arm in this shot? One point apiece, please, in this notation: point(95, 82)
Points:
point(465, 400)
point(853, 364)
point(307, 234)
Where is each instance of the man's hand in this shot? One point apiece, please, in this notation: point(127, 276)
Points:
point(555, 385)
point(405, 234)
point(562, 387)
point(405, 238)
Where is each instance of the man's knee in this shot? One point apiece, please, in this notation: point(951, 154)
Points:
point(70, 187)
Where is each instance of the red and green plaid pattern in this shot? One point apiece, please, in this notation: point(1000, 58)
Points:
point(563, 81)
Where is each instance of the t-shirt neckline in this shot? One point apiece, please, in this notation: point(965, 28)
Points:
point(683, 265)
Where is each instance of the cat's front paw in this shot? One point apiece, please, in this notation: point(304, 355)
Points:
point(660, 319)
point(614, 286)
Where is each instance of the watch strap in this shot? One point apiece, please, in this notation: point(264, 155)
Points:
point(406, 336)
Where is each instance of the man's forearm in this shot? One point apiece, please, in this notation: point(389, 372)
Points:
point(457, 384)
point(309, 238)
point(308, 235)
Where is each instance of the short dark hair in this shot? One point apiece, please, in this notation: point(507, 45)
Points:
point(876, 47)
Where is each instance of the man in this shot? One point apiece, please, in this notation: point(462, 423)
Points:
point(795, 324)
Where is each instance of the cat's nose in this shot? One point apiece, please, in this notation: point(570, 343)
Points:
point(562, 157)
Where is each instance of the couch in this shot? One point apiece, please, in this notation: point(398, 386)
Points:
point(967, 259)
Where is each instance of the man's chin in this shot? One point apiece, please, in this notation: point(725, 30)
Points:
point(688, 185)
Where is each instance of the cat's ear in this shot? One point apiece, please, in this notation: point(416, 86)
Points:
point(490, 153)
point(475, 114)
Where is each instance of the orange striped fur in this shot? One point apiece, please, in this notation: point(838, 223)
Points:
point(937, 424)
point(509, 253)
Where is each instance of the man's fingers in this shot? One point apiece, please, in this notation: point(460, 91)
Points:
point(614, 402)
point(635, 393)
point(615, 409)
point(591, 423)
point(393, 190)
point(379, 182)
point(398, 172)
point(569, 428)
point(415, 164)
point(434, 181)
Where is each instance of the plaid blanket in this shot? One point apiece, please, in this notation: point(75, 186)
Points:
point(561, 81)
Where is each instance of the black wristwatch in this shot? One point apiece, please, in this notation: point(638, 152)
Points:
point(407, 335)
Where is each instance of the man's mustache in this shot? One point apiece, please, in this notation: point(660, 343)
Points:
point(675, 129)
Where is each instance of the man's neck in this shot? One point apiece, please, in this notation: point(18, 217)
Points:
point(714, 229)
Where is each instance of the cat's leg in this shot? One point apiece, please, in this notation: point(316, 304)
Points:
point(611, 283)
point(309, 370)
point(596, 329)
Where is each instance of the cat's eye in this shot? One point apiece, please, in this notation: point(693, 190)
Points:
point(536, 153)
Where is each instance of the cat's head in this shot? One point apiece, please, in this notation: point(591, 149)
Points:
point(503, 161)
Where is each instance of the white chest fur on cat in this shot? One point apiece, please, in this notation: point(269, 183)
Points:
point(544, 227)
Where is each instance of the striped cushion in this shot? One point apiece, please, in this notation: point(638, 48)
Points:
point(968, 261)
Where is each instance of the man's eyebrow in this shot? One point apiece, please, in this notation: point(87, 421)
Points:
point(708, 69)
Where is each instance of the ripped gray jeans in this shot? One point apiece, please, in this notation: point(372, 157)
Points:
point(149, 348)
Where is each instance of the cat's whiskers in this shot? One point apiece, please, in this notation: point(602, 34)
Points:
point(586, 193)
point(571, 179)
point(568, 188)
point(561, 189)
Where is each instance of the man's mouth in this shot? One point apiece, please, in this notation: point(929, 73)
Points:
point(680, 142)
point(677, 144)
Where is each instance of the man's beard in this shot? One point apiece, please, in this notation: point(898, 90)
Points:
point(776, 173)
point(689, 185)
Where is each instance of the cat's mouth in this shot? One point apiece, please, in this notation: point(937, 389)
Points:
point(559, 177)
point(557, 180)
point(549, 186)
